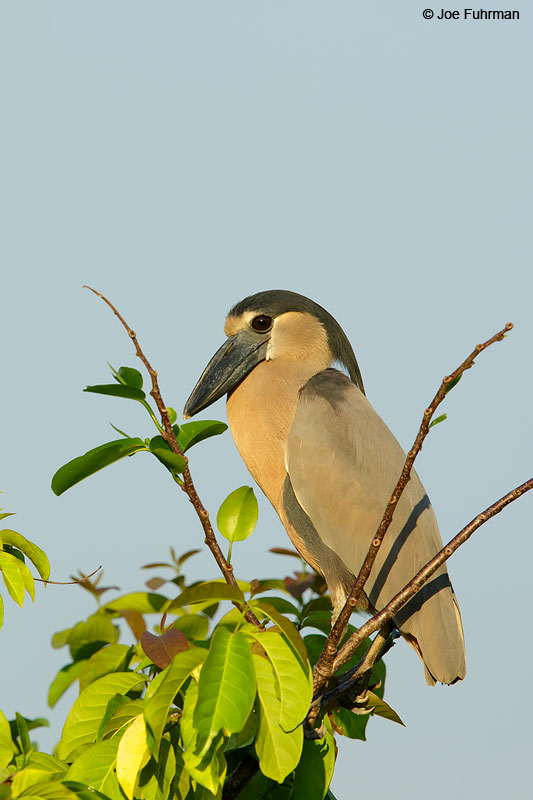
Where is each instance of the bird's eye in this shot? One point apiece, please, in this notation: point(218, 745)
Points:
point(262, 323)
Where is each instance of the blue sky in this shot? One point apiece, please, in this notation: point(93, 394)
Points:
point(179, 156)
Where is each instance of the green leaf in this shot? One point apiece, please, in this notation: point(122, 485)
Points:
point(163, 689)
point(212, 590)
point(172, 415)
point(117, 390)
point(28, 778)
point(453, 383)
point(35, 554)
point(93, 461)
point(132, 755)
point(95, 768)
point(143, 602)
point(63, 680)
point(182, 780)
point(437, 420)
point(6, 743)
point(88, 637)
point(280, 604)
point(246, 735)
point(84, 793)
point(131, 377)
point(13, 577)
point(315, 769)
point(21, 724)
point(321, 620)
point(294, 678)
point(208, 769)
point(194, 626)
point(190, 433)
point(317, 604)
point(26, 724)
point(122, 433)
point(314, 643)
point(14, 552)
point(48, 790)
point(278, 751)
point(157, 775)
point(226, 688)
point(237, 516)
point(121, 714)
point(289, 630)
point(111, 658)
point(60, 638)
point(162, 450)
point(233, 622)
point(382, 709)
point(83, 721)
point(113, 705)
point(47, 763)
point(173, 461)
point(350, 725)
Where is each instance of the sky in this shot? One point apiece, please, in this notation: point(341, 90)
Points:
point(180, 156)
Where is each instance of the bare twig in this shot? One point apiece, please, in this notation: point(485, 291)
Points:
point(399, 600)
point(324, 666)
point(187, 485)
point(73, 582)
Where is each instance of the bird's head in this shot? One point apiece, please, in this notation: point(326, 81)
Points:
point(270, 326)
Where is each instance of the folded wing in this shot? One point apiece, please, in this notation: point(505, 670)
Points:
point(343, 463)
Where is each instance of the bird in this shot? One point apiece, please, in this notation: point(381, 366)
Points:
point(328, 463)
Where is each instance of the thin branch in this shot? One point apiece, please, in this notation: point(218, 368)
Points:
point(187, 485)
point(72, 582)
point(399, 600)
point(323, 668)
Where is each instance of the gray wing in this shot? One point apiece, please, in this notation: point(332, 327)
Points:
point(343, 463)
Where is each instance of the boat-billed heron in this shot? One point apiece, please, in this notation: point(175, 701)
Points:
point(328, 464)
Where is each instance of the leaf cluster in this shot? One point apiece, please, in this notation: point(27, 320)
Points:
point(206, 696)
point(18, 580)
point(176, 713)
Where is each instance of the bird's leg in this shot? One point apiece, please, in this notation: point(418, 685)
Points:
point(354, 682)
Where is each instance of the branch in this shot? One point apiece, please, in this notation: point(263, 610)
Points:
point(399, 600)
point(324, 666)
point(377, 650)
point(187, 485)
point(74, 581)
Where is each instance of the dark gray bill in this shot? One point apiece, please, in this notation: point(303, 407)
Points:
point(231, 363)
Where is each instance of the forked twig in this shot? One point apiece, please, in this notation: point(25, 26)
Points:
point(324, 667)
point(187, 485)
point(73, 582)
point(404, 595)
